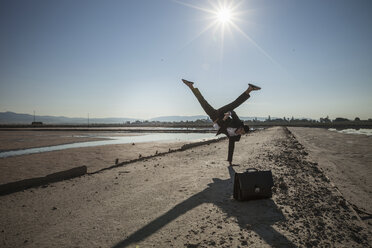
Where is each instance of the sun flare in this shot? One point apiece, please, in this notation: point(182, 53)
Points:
point(224, 15)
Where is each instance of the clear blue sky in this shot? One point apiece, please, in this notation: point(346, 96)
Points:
point(126, 58)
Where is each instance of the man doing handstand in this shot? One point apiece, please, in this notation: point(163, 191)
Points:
point(225, 120)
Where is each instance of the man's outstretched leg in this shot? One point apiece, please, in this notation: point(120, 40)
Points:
point(238, 101)
point(205, 105)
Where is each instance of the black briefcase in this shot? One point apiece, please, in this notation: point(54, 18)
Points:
point(253, 184)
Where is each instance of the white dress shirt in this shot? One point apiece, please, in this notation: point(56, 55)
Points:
point(230, 130)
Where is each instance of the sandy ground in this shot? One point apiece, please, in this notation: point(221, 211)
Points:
point(95, 158)
point(346, 159)
point(184, 199)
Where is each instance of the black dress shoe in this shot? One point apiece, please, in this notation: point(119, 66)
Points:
point(254, 87)
point(187, 82)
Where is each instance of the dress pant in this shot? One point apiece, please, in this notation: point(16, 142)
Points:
point(215, 114)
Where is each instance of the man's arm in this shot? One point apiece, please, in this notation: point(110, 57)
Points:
point(232, 141)
point(226, 115)
point(231, 150)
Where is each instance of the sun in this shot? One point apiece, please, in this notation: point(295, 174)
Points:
point(224, 15)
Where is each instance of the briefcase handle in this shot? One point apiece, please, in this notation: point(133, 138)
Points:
point(251, 169)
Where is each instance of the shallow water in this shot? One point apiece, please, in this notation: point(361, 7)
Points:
point(115, 140)
point(362, 131)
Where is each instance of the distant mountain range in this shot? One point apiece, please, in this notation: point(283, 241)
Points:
point(15, 118)
point(178, 118)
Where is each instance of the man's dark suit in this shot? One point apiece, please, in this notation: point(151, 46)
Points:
point(217, 115)
point(233, 122)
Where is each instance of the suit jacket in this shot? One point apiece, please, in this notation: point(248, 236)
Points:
point(233, 122)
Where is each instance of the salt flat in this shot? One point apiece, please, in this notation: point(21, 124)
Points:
point(346, 159)
point(95, 158)
point(184, 199)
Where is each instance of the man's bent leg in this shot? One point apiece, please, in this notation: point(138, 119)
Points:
point(205, 105)
point(231, 106)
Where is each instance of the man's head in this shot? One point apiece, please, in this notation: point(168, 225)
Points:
point(242, 130)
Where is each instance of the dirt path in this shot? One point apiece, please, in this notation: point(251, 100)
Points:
point(184, 199)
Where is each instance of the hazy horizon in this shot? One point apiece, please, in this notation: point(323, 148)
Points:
point(127, 58)
point(178, 116)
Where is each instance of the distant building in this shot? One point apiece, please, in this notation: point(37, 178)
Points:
point(37, 123)
point(340, 119)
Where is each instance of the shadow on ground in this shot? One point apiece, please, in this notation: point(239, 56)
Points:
point(257, 216)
